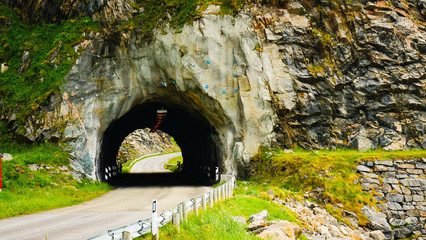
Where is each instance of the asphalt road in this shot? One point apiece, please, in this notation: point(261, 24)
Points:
point(115, 209)
point(156, 166)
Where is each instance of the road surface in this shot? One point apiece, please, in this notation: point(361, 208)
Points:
point(156, 166)
point(115, 209)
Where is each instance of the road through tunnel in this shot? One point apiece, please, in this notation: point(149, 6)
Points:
point(199, 141)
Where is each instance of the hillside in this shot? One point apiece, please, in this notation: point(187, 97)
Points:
point(235, 78)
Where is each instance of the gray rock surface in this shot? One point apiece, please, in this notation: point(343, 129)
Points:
point(275, 75)
point(241, 220)
point(140, 142)
point(403, 195)
point(258, 218)
point(377, 235)
point(7, 157)
point(378, 220)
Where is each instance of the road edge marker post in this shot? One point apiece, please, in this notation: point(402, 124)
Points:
point(154, 221)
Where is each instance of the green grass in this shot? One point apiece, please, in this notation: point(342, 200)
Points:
point(172, 164)
point(332, 171)
point(217, 223)
point(26, 191)
point(180, 11)
point(289, 175)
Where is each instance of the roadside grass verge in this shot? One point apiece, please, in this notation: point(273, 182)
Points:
point(51, 186)
point(172, 164)
point(327, 177)
point(217, 223)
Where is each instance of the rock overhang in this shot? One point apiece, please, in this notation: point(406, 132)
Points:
point(207, 70)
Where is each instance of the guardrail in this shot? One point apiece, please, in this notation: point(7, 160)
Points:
point(177, 213)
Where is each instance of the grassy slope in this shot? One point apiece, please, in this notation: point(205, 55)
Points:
point(288, 175)
point(330, 173)
point(26, 191)
point(51, 51)
point(217, 223)
point(172, 163)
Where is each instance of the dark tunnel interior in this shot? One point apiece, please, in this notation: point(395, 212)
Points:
point(193, 133)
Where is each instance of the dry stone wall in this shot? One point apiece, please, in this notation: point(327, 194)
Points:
point(400, 188)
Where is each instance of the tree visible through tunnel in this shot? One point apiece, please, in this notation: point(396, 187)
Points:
point(196, 137)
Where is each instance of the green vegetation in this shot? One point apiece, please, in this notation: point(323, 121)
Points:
point(51, 50)
point(172, 164)
point(51, 53)
point(172, 139)
point(26, 191)
point(217, 223)
point(290, 175)
point(175, 12)
point(328, 173)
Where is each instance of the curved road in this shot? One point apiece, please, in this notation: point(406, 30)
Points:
point(148, 165)
point(115, 209)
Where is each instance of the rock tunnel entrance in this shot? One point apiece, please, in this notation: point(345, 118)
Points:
point(197, 138)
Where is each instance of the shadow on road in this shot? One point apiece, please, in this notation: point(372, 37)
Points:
point(156, 179)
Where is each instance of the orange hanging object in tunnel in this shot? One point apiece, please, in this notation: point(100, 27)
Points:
point(161, 114)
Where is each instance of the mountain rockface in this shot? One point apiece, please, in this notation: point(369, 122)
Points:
point(141, 142)
point(317, 74)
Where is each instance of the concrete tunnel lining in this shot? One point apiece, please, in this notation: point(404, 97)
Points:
point(200, 144)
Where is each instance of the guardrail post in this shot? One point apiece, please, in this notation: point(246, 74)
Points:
point(217, 194)
point(227, 190)
point(180, 211)
point(127, 235)
point(211, 198)
point(176, 221)
point(203, 202)
point(195, 206)
point(185, 213)
point(232, 188)
point(222, 192)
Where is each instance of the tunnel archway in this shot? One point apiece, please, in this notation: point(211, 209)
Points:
point(195, 135)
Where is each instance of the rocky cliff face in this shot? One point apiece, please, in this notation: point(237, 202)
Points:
point(357, 72)
point(141, 142)
point(318, 74)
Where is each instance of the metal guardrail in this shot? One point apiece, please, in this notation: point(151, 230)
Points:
point(142, 227)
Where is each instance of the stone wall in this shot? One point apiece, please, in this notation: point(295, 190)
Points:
point(400, 188)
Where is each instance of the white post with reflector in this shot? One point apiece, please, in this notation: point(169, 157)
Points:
point(154, 221)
